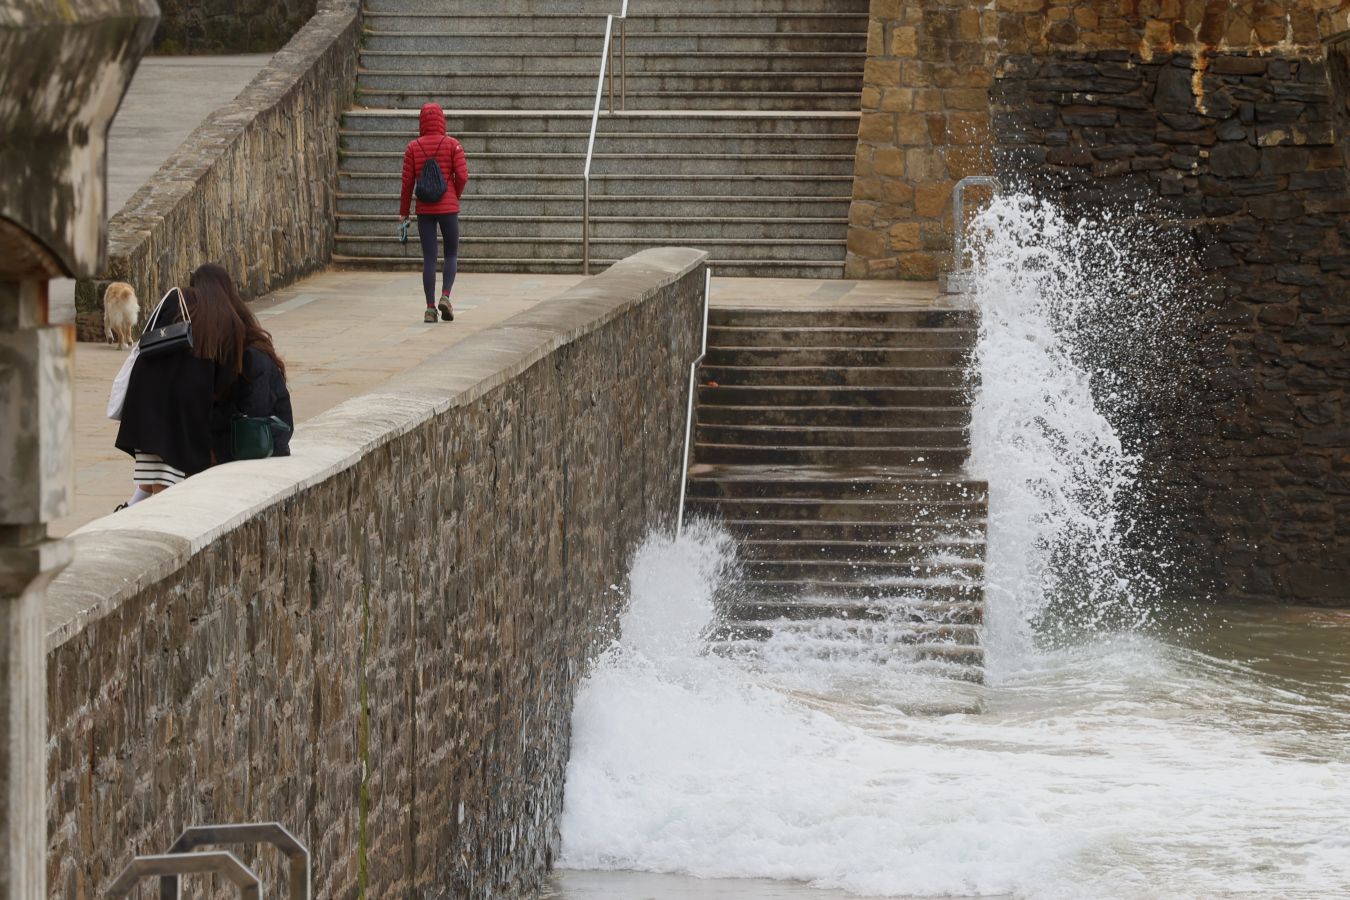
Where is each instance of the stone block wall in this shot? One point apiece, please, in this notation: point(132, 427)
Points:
point(229, 26)
point(377, 640)
point(253, 188)
point(1239, 150)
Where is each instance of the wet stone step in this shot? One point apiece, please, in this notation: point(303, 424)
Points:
point(832, 336)
point(935, 458)
point(957, 611)
point(837, 416)
point(869, 357)
point(750, 551)
point(884, 532)
point(778, 319)
point(851, 571)
point(712, 482)
point(802, 396)
point(875, 631)
point(851, 437)
point(832, 376)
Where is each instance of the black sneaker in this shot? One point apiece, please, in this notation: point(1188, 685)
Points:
point(430, 315)
point(447, 311)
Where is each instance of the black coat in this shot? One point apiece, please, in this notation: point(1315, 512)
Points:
point(168, 408)
point(259, 392)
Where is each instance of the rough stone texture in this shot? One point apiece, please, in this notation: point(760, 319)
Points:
point(229, 26)
point(377, 640)
point(63, 71)
point(925, 102)
point(1241, 151)
point(253, 188)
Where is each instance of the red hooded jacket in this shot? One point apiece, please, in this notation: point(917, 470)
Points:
point(449, 155)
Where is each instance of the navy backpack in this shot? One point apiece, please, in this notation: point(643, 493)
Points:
point(430, 185)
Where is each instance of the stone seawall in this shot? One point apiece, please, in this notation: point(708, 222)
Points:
point(377, 640)
point(254, 187)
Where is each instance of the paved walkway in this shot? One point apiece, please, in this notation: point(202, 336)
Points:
point(345, 333)
point(166, 101)
point(340, 333)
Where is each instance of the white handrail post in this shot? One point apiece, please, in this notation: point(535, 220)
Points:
point(689, 410)
point(590, 152)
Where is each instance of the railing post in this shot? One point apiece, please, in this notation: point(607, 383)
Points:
point(956, 281)
point(586, 226)
point(590, 146)
point(623, 62)
point(689, 410)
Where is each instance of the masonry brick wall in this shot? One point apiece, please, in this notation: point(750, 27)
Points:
point(253, 188)
point(384, 660)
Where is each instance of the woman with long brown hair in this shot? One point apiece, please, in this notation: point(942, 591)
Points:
point(233, 338)
point(179, 405)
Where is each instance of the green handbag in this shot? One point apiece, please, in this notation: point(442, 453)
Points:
point(251, 438)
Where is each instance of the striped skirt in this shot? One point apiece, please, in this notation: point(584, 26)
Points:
point(152, 469)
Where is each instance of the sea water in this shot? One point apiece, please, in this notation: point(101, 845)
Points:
point(1124, 745)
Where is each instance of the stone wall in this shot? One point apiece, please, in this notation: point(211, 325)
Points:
point(377, 640)
point(254, 187)
point(1221, 118)
point(229, 26)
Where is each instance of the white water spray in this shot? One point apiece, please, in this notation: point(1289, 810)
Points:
point(1114, 765)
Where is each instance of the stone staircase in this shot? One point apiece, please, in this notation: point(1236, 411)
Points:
point(830, 444)
point(738, 135)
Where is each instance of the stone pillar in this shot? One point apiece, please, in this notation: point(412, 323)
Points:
point(63, 70)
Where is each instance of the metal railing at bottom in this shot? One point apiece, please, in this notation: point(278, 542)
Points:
point(689, 412)
point(181, 860)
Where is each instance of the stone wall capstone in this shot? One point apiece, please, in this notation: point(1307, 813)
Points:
point(253, 188)
point(377, 640)
point(229, 26)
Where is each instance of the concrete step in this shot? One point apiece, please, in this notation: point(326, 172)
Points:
point(551, 94)
point(852, 416)
point(631, 208)
point(859, 551)
point(785, 320)
point(640, 84)
point(871, 572)
point(583, 37)
point(760, 529)
point(935, 591)
point(559, 265)
point(838, 357)
point(553, 7)
point(771, 436)
point(574, 121)
point(726, 249)
point(614, 143)
point(677, 231)
point(823, 335)
point(945, 621)
point(604, 185)
point(741, 395)
point(586, 62)
point(946, 660)
point(939, 459)
point(702, 165)
point(829, 484)
point(831, 376)
point(839, 510)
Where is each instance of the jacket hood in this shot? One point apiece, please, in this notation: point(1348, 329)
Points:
point(432, 120)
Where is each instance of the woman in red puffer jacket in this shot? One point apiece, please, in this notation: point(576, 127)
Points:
point(435, 144)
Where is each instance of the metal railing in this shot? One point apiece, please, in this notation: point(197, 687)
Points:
point(689, 411)
point(606, 66)
point(958, 280)
point(170, 867)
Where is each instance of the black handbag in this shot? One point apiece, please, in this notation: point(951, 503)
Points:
point(170, 338)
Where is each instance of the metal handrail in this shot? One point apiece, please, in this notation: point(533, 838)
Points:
point(689, 411)
point(605, 53)
point(172, 865)
point(958, 281)
point(274, 833)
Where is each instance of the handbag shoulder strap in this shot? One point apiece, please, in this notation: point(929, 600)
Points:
point(154, 314)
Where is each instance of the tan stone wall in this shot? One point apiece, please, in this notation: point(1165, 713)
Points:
point(925, 100)
point(376, 641)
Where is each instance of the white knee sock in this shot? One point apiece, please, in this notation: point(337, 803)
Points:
point(141, 494)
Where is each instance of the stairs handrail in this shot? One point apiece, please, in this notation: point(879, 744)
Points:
point(605, 53)
point(689, 411)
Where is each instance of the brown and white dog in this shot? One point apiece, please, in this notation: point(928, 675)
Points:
point(121, 314)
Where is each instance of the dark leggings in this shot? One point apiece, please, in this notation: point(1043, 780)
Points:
point(426, 229)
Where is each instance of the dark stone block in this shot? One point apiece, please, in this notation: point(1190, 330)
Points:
point(1283, 160)
point(1089, 115)
point(1174, 93)
point(1278, 113)
point(1237, 65)
point(1233, 131)
point(1302, 93)
point(1250, 187)
point(1195, 138)
point(1234, 160)
point(1185, 122)
point(1220, 207)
